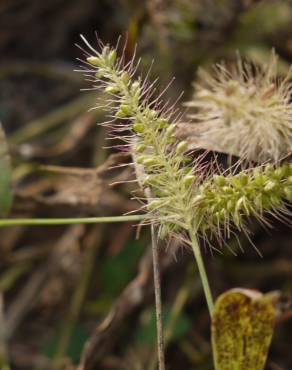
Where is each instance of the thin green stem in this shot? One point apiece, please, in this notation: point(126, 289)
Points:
point(202, 271)
point(68, 221)
point(158, 303)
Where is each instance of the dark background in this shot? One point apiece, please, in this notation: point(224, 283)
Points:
point(58, 283)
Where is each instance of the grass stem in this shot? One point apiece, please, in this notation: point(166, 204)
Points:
point(158, 304)
point(202, 271)
point(68, 221)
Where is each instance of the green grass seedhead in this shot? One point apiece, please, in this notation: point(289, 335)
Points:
point(227, 201)
point(182, 197)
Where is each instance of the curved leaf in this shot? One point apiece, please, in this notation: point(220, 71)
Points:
point(242, 329)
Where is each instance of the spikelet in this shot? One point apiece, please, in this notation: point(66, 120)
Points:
point(181, 198)
point(226, 201)
point(245, 111)
point(150, 128)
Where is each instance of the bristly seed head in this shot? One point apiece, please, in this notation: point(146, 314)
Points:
point(246, 111)
point(229, 200)
point(181, 198)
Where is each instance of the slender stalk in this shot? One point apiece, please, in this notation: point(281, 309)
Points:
point(68, 221)
point(158, 304)
point(202, 271)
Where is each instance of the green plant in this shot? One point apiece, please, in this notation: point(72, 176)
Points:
point(181, 197)
point(184, 196)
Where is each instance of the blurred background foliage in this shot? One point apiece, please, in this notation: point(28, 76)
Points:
point(84, 293)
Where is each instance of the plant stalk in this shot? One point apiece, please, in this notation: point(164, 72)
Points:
point(158, 304)
point(202, 271)
point(68, 221)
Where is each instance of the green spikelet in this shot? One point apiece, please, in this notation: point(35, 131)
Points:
point(234, 198)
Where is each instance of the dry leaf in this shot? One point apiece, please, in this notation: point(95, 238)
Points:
point(242, 329)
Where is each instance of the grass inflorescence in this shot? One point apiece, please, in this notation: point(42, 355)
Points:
point(150, 128)
point(183, 195)
point(181, 198)
point(245, 111)
point(249, 116)
point(229, 200)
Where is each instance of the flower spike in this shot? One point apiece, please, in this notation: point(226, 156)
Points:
point(184, 195)
point(246, 111)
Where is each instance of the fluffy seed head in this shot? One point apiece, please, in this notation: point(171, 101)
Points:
point(245, 111)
